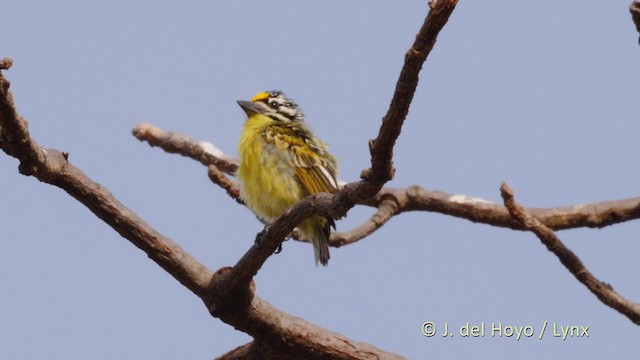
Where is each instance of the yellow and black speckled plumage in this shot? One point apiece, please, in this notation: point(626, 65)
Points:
point(281, 162)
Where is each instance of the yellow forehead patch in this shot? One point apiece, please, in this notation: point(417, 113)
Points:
point(260, 96)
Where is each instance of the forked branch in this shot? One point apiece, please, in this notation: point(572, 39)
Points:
point(336, 206)
point(603, 291)
point(250, 314)
point(227, 292)
point(417, 198)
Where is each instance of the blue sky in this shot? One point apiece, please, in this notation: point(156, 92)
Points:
point(538, 94)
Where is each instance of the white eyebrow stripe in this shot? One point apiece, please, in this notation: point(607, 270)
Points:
point(287, 111)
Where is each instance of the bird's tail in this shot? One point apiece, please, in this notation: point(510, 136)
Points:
point(317, 230)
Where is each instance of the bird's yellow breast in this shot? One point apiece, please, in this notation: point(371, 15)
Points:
point(268, 182)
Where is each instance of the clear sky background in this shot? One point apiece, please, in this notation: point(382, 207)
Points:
point(540, 94)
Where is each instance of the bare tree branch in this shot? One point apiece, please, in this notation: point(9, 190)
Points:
point(381, 148)
point(386, 210)
point(52, 167)
point(634, 8)
point(229, 293)
point(181, 144)
point(381, 151)
point(206, 153)
point(14, 132)
point(601, 290)
point(6, 63)
point(243, 352)
point(176, 143)
point(417, 198)
point(280, 333)
point(594, 215)
point(230, 186)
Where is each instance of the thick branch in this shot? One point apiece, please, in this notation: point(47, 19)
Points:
point(51, 166)
point(243, 352)
point(283, 334)
point(601, 290)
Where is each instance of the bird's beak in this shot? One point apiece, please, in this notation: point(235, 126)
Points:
point(249, 107)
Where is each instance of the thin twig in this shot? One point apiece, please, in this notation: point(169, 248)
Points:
point(219, 178)
point(6, 63)
point(601, 290)
point(634, 8)
point(386, 210)
point(593, 215)
point(382, 147)
point(204, 152)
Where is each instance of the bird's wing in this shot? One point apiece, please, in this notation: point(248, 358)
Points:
point(315, 168)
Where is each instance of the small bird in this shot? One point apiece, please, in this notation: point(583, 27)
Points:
point(281, 162)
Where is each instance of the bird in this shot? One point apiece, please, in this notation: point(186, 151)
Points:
point(281, 162)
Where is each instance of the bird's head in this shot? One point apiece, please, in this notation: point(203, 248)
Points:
point(273, 104)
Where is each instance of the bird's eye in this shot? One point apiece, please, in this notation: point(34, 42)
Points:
point(274, 104)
